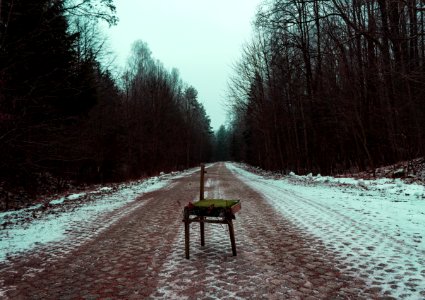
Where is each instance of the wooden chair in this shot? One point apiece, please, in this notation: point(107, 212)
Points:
point(215, 211)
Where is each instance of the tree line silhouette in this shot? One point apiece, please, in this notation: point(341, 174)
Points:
point(324, 86)
point(330, 85)
point(65, 117)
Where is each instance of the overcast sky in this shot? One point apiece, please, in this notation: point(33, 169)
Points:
point(200, 38)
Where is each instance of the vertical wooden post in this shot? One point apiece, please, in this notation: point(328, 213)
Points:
point(186, 237)
point(201, 195)
point(232, 236)
point(202, 224)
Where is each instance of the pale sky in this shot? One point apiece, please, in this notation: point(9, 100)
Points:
point(202, 39)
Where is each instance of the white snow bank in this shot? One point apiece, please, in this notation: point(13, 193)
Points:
point(374, 227)
point(70, 197)
point(27, 228)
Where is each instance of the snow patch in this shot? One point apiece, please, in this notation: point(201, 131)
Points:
point(374, 227)
point(25, 229)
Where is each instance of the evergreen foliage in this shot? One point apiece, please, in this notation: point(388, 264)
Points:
point(64, 117)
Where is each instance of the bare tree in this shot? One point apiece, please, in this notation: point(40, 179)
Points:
point(331, 85)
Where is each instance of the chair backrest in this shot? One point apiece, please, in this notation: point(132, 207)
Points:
point(201, 192)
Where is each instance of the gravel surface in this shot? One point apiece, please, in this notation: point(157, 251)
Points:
point(141, 254)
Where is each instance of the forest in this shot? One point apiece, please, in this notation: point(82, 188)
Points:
point(323, 86)
point(327, 86)
point(66, 118)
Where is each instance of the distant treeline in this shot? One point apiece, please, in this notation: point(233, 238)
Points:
point(64, 116)
point(329, 85)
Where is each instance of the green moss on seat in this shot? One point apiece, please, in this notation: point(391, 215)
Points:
point(217, 203)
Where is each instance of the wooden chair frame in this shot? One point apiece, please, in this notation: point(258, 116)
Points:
point(192, 216)
point(202, 220)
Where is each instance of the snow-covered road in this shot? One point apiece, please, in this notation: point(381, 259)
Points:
point(298, 237)
point(375, 228)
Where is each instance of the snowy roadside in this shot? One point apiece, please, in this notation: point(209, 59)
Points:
point(25, 229)
point(374, 227)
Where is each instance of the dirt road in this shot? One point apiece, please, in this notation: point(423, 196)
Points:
point(141, 256)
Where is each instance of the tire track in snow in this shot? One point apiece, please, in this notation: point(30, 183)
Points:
point(371, 253)
point(141, 256)
point(275, 260)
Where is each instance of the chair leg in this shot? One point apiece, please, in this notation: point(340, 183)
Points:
point(202, 225)
point(186, 238)
point(232, 236)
